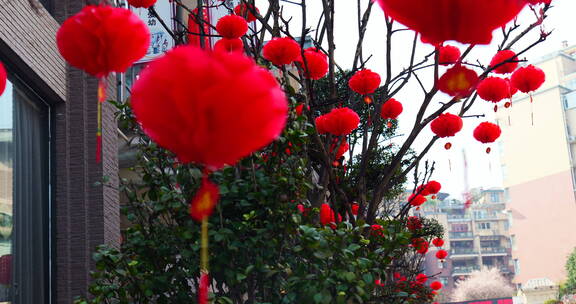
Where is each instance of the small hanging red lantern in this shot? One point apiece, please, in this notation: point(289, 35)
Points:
point(436, 285)
point(245, 10)
point(364, 82)
point(458, 81)
point(327, 216)
point(229, 45)
point(413, 223)
point(502, 56)
point(141, 3)
point(438, 242)
point(468, 22)
point(446, 125)
point(391, 109)
point(281, 51)
point(448, 55)
point(421, 278)
point(232, 26)
point(316, 65)
point(487, 132)
point(528, 79)
point(493, 89)
point(432, 187)
point(3, 78)
point(416, 200)
point(441, 254)
point(340, 121)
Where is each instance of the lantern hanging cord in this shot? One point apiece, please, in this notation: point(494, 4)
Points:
point(101, 99)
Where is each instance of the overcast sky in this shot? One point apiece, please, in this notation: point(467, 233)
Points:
point(484, 170)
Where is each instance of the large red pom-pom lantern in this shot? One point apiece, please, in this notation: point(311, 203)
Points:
point(141, 3)
point(528, 79)
point(441, 254)
point(438, 242)
point(448, 54)
point(340, 121)
point(3, 78)
point(503, 56)
point(446, 125)
point(487, 132)
point(232, 26)
point(421, 278)
point(391, 109)
point(458, 81)
point(316, 65)
point(229, 45)
point(281, 51)
point(364, 82)
point(436, 285)
point(466, 21)
point(493, 89)
point(416, 200)
point(432, 187)
point(245, 10)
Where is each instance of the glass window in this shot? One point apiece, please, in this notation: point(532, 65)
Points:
point(24, 196)
point(483, 226)
point(494, 197)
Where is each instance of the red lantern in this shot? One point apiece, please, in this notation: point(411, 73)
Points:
point(204, 201)
point(493, 89)
point(340, 121)
point(503, 56)
point(103, 39)
point(433, 187)
point(420, 245)
point(300, 108)
point(141, 3)
point(436, 285)
point(446, 125)
point(316, 65)
point(229, 45)
point(216, 107)
point(245, 10)
point(438, 242)
point(421, 278)
point(458, 81)
point(441, 254)
point(281, 51)
point(344, 147)
point(376, 230)
point(231, 26)
point(327, 216)
point(528, 79)
point(413, 223)
point(364, 82)
point(464, 21)
point(2, 78)
point(416, 200)
point(448, 55)
point(355, 208)
point(391, 109)
point(487, 132)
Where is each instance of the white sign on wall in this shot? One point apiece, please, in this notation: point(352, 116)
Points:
point(160, 39)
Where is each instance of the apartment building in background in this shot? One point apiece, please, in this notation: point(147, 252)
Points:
point(475, 235)
point(537, 158)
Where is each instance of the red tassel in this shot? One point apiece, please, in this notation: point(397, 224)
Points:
point(98, 148)
point(203, 288)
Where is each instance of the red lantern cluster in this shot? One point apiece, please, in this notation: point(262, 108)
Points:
point(502, 56)
point(438, 242)
point(229, 45)
point(494, 89)
point(103, 39)
point(416, 200)
point(232, 26)
point(458, 81)
point(3, 78)
point(469, 22)
point(528, 79)
point(391, 109)
point(420, 245)
point(245, 10)
point(216, 107)
point(446, 125)
point(364, 82)
point(487, 132)
point(141, 3)
point(432, 187)
point(340, 121)
point(448, 54)
point(316, 65)
point(413, 223)
point(281, 51)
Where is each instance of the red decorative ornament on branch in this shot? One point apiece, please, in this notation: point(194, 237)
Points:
point(391, 109)
point(436, 285)
point(141, 3)
point(340, 121)
point(364, 82)
point(493, 89)
point(413, 223)
point(528, 79)
point(327, 216)
point(446, 125)
point(458, 81)
point(448, 54)
point(438, 242)
point(441, 254)
point(316, 65)
point(229, 45)
point(416, 200)
point(281, 51)
point(232, 26)
point(245, 10)
point(466, 21)
point(487, 132)
point(502, 56)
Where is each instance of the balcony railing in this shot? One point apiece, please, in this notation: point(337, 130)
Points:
point(464, 269)
point(459, 217)
point(463, 251)
point(461, 235)
point(494, 250)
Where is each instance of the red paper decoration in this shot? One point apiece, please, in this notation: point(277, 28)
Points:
point(464, 21)
point(103, 39)
point(493, 89)
point(376, 230)
point(316, 65)
point(141, 3)
point(448, 54)
point(502, 56)
point(458, 81)
point(215, 107)
point(194, 28)
point(487, 132)
point(300, 108)
point(438, 242)
point(446, 125)
point(421, 278)
point(355, 208)
point(281, 51)
point(441, 254)
point(232, 26)
point(327, 216)
point(340, 121)
point(229, 45)
point(413, 223)
point(391, 109)
point(528, 79)
point(364, 82)
point(436, 285)
point(3, 78)
point(533, 2)
point(416, 200)
point(344, 147)
point(420, 245)
point(245, 10)
point(204, 201)
point(432, 187)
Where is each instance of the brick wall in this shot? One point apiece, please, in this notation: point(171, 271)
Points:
point(84, 215)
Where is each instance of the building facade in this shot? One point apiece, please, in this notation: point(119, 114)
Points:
point(537, 152)
point(475, 235)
